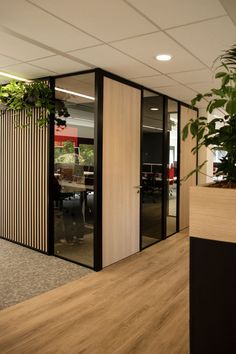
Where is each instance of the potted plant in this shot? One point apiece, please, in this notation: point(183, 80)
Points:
point(217, 134)
point(213, 222)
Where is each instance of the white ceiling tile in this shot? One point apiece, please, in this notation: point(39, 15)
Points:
point(154, 81)
point(112, 60)
point(145, 48)
point(59, 64)
point(170, 13)
point(43, 27)
point(179, 92)
point(5, 61)
point(107, 20)
point(28, 71)
point(196, 76)
point(204, 86)
point(207, 39)
point(20, 49)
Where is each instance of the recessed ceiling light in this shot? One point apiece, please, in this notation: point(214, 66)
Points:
point(163, 57)
point(154, 109)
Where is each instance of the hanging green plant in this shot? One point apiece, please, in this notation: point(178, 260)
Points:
point(27, 96)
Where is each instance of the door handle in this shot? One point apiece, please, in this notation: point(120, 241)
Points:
point(138, 187)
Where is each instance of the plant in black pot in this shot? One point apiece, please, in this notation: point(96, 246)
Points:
point(212, 221)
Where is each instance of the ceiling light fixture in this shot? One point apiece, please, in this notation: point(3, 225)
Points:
point(74, 93)
point(163, 57)
point(14, 77)
point(154, 109)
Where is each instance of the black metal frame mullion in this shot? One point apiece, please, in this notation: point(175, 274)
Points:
point(141, 168)
point(98, 152)
point(178, 169)
point(165, 153)
point(197, 155)
point(51, 173)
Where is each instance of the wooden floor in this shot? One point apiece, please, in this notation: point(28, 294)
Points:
point(139, 305)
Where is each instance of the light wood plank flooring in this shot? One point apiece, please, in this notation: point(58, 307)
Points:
point(139, 305)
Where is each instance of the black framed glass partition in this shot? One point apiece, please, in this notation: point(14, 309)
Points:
point(74, 169)
point(152, 168)
point(79, 172)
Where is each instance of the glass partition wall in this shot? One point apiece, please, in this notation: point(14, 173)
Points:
point(159, 173)
point(78, 169)
point(74, 169)
point(152, 168)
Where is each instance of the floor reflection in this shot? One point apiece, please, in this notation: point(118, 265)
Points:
point(151, 217)
point(171, 211)
point(74, 227)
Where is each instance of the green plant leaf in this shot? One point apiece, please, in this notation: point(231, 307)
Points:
point(196, 99)
point(220, 74)
point(231, 107)
point(225, 80)
point(185, 132)
point(218, 92)
point(200, 133)
point(5, 94)
point(208, 94)
point(194, 128)
point(216, 104)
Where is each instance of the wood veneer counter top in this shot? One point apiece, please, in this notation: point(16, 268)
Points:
point(213, 213)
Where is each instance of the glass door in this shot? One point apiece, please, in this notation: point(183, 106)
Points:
point(152, 169)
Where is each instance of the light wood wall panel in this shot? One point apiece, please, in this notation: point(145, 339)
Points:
point(187, 164)
point(121, 171)
point(213, 213)
point(23, 180)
